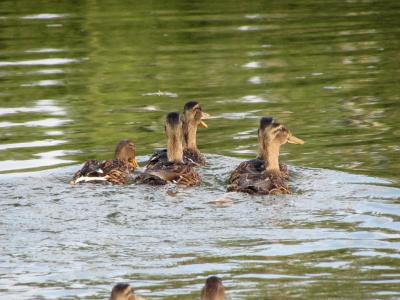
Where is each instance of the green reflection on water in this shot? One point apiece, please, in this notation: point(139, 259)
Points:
point(327, 69)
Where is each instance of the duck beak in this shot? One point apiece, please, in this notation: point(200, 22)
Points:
point(294, 140)
point(134, 164)
point(204, 116)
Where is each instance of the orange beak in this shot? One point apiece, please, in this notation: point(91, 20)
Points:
point(204, 116)
point(134, 164)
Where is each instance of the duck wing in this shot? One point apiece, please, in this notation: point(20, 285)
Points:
point(179, 173)
point(193, 157)
point(90, 168)
point(158, 158)
point(252, 178)
point(113, 171)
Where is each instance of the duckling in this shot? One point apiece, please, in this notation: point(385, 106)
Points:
point(174, 169)
point(192, 118)
point(213, 289)
point(116, 171)
point(123, 291)
point(264, 175)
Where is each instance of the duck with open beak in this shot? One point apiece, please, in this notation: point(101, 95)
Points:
point(115, 171)
point(264, 175)
point(192, 117)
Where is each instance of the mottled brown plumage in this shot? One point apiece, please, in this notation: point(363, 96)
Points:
point(213, 289)
point(192, 118)
point(179, 173)
point(265, 175)
point(174, 169)
point(116, 171)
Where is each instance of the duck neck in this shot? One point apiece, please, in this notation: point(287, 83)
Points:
point(175, 149)
point(190, 132)
point(270, 155)
point(123, 157)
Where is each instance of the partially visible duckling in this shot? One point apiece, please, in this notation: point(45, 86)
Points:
point(264, 175)
point(123, 291)
point(173, 170)
point(213, 289)
point(193, 117)
point(116, 171)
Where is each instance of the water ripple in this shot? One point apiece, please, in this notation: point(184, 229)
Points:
point(39, 62)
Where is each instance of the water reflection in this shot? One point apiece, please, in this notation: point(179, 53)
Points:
point(48, 82)
point(43, 143)
point(38, 160)
point(111, 71)
point(49, 122)
point(44, 159)
point(41, 106)
point(167, 243)
point(38, 62)
point(44, 16)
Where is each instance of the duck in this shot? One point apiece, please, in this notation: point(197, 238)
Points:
point(192, 118)
point(213, 289)
point(264, 175)
point(116, 171)
point(174, 169)
point(124, 291)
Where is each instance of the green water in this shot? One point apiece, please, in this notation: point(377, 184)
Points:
point(327, 69)
point(78, 76)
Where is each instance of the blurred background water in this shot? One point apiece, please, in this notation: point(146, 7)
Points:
point(77, 76)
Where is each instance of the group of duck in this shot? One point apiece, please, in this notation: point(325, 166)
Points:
point(213, 289)
point(178, 162)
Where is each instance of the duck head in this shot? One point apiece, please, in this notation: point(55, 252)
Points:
point(271, 136)
point(213, 289)
point(126, 151)
point(193, 117)
point(122, 291)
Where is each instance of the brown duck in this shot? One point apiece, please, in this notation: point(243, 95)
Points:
point(174, 169)
point(264, 175)
point(115, 171)
point(213, 289)
point(192, 118)
point(123, 291)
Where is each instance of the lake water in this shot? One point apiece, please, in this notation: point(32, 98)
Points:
point(78, 76)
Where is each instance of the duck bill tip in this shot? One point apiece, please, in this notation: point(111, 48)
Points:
point(134, 164)
point(202, 124)
point(294, 140)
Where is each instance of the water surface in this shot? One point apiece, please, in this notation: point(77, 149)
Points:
point(77, 76)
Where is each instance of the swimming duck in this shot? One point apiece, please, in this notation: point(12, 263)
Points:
point(213, 289)
point(174, 169)
point(264, 175)
point(116, 171)
point(192, 118)
point(123, 291)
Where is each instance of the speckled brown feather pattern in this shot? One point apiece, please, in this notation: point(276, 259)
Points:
point(252, 178)
point(162, 173)
point(114, 171)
